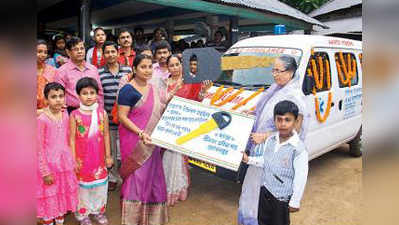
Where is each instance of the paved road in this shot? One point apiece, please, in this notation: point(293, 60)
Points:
point(332, 196)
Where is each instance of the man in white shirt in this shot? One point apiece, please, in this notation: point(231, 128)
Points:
point(285, 168)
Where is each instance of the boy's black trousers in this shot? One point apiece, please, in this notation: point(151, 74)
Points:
point(272, 211)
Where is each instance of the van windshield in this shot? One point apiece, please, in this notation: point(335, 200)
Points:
point(252, 66)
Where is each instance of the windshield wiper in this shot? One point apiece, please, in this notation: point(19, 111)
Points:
point(258, 85)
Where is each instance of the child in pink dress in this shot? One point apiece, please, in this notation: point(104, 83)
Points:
point(57, 190)
point(91, 148)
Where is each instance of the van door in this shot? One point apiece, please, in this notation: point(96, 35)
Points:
point(349, 94)
point(322, 109)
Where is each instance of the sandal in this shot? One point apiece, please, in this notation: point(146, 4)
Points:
point(101, 219)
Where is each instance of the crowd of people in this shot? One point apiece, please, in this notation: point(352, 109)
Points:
point(97, 108)
point(56, 43)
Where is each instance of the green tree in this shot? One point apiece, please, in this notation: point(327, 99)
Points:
point(306, 6)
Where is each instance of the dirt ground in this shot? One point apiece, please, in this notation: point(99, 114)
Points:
point(333, 196)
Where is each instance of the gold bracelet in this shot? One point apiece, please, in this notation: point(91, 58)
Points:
point(202, 94)
point(140, 134)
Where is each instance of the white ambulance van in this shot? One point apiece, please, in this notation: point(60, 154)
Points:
point(330, 71)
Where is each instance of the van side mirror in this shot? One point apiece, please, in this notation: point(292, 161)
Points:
point(308, 84)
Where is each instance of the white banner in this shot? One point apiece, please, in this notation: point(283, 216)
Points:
point(217, 137)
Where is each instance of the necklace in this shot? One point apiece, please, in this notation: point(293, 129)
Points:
point(57, 119)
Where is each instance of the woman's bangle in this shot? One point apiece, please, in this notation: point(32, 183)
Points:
point(201, 94)
point(140, 134)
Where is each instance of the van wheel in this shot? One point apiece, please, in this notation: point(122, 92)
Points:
point(355, 146)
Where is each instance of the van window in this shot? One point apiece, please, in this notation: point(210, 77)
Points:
point(319, 69)
point(346, 66)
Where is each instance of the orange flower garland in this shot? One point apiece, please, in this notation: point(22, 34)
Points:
point(222, 94)
point(318, 76)
point(215, 96)
point(245, 101)
point(341, 57)
point(327, 113)
point(230, 98)
point(341, 76)
point(348, 60)
point(328, 74)
point(349, 70)
point(320, 61)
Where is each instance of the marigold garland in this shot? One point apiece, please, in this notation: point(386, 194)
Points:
point(318, 75)
point(328, 74)
point(341, 57)
point(341, 76)
point(320, 61)
point(245, 101)
point(222, 94)
point(317, 78)
point(230, 98)
point(327, 113)
point(215, 96)
point(348, 61)
point(346, 68)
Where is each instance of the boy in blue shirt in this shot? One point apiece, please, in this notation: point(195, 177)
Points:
point(285, 168)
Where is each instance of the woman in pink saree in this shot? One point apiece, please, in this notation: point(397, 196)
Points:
point(140, 106)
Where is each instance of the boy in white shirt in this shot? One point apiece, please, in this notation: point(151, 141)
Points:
point(285, 168)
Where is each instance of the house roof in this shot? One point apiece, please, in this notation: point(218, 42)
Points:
point(334, 5)
point(346, 25)
point(273, 6)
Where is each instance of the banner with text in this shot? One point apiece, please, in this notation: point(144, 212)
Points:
point(204, 132)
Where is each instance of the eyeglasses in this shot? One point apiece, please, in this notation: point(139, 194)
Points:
point(276, 71)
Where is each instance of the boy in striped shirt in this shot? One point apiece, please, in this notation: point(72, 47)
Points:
point(285, 168)
point(110, 75)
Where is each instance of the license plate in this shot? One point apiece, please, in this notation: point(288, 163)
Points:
point(202, 164)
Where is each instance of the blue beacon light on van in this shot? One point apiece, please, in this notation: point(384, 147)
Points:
point(280, 29)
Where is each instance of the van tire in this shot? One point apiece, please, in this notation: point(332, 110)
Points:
point(355, 146)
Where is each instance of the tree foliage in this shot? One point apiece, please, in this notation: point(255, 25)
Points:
point(306, 6)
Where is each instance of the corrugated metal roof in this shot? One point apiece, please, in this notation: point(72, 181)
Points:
point(342, 26)
point(334, 5)
point(274, 6)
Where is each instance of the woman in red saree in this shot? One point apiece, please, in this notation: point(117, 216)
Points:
point(175, 164)
point(140, 106)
